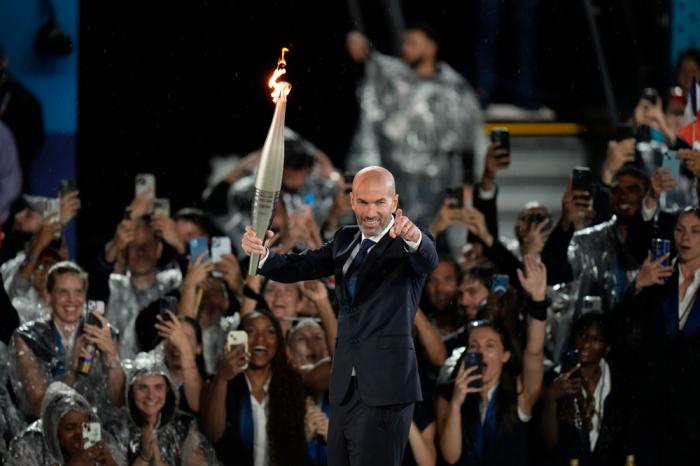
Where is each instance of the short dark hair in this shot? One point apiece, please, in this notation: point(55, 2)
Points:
point(688, 54)
point(631, 170)
point(199, 218)
point(298, 153)
point(481, 271)
point(589, 320)
point(62, 268)
point(426, 28)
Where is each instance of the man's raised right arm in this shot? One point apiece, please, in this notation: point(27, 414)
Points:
point(289, 268)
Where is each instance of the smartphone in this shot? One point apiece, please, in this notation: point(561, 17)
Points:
point(237, 337)
point(569, 360)
point(659, 248)
point(52, 209)
point(650, 95)
point(92, 434)
point(457, 197)
point(220, 245)
point(161, 207)
point(582, 180)
point(471, 359)
point(67, 187)
point(623, 132)
point(499, 284)
point(501, 136)
point(348, 177)
point(535, 218)
point(145, 182)
point(92, 308)
point(198, 246)
point(167, 303)
point(670, 161)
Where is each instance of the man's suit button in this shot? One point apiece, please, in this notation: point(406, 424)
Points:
point(354, 341)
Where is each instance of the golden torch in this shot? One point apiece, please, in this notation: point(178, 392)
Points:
point(268, 178)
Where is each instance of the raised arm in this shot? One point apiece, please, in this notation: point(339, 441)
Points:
point(534, 282)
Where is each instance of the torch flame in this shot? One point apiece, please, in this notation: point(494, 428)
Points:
point(280, 88)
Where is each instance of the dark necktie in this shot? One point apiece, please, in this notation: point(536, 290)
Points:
point(351, 281)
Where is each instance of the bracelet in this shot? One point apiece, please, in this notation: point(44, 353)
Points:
point(114, 364)
point(538, 309)
point(28, 260)
point(248, 292)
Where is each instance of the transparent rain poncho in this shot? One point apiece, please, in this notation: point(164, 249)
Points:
point(125, 303)
point(12, 422)
point(39, 445)
point(39, 355)
point(416, 128)
point(595, 256)
point(181, 443)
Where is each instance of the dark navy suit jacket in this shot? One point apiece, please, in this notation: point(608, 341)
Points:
point(374, 328)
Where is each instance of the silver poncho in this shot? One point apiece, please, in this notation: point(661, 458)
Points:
point(125, 303)
point(417, 129)
point(40, 355)
point(38, 445)
point(181, 443)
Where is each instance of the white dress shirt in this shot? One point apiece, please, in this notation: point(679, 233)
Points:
point(260, 446)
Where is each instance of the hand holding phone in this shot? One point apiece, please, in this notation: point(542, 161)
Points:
point(570, 360)
point(95, 307)
point(582, 180)
point(199, 246)
point(672, 163)
point(145, 183)
point(472, 359)
point(499, 284)
point(456, 197)
point(167, 303)
point(92, 434)
point(220, 245)
point(235, 338)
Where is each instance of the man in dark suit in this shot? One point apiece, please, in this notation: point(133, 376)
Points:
point(379, 266)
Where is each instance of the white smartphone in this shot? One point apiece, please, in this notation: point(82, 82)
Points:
point(237, 337)
point(220, 245)
point(161, 207)
point(145, 182)
point(92, 434)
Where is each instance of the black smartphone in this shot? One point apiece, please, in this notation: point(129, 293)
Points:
point(582, 180)
point(167, 303)
point(68, 186)
point(92, 308)
point(471, 359)
point(569, 360)
point(623, 132)
point(650, 94)
point(456, 195)
point(349, 177)
point(501, 136)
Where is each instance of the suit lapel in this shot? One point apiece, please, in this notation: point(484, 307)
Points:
point(374, 255)
point(340, 261)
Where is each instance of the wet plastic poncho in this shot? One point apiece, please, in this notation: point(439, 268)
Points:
point(11, 421)
point(22, 294)
point(38, 445)
point(595, 256)
point(181, 443)
point(125, 303)
point(40, 355)
point(419, 129)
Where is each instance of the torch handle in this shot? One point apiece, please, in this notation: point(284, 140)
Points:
point(264, 203)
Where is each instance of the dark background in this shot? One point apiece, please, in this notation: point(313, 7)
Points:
point(166, 85)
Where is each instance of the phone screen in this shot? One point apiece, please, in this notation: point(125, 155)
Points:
point(199, 246)
point(582, 180)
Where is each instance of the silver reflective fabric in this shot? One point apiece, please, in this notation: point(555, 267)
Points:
point(125, 303)
point(416, 128)
point(594, 256)
point(181, 443)
point(37, 358)
point(38, 445)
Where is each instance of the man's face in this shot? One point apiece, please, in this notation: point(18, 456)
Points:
point(308, 345)
point(28, 220)
point(373, 202)
point(473, 294)
point(70, 431)
point(417, 48)
point(144, 251)
point(591, 344)
point(626, 196)
point(282, 299)
point(68, 298)
point(293, 179)
point(187, 230)
point(442, 287)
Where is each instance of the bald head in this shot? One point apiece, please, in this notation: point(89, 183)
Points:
point(373, 199)
point(374, 175)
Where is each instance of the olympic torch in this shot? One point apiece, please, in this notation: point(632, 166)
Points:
point(268, 178)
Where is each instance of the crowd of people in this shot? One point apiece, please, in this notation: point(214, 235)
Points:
point(577, 340)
